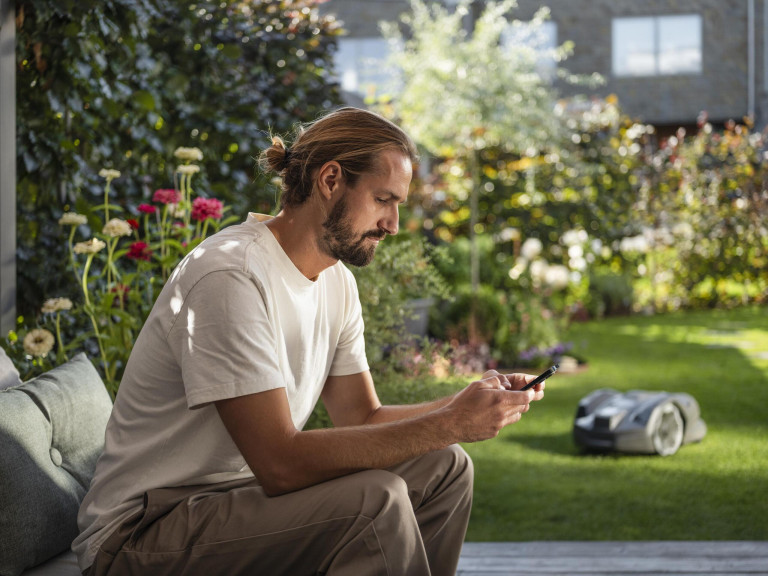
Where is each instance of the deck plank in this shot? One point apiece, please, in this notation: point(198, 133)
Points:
point(683, 558)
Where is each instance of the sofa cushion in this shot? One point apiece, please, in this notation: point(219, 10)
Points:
point(65, 564)
point(9, 375)
point(51, 433)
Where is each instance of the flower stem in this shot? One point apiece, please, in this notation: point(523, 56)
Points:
point(85, 279)
point(61, 351)
point(186, 191)
point(89, 311)
point(106, 202)
point(104, 361)
point(72, 254)
point(162, 239)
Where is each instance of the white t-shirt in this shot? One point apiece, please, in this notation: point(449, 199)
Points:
point(236, 317)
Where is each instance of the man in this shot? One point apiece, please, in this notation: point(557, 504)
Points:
point(206, 468)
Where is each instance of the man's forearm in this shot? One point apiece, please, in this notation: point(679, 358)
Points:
point(319, 455)
point(285, 459)
point(394, 413)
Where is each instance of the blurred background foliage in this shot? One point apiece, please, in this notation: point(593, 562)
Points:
point(572, 209)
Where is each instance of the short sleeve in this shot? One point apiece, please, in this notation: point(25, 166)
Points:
point(350, 355)
point(223, 339)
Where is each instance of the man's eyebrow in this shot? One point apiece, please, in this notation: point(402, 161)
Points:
point(393, 196)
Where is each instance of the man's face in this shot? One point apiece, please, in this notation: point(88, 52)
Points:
point(365, 214)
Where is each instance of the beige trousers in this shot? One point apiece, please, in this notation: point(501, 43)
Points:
point(407, 520)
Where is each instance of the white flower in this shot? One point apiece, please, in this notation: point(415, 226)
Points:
point(575, 251)
point(194, 154)
point(578, 263)
point(90, 247)
point(72, 219)
point(574, 237)
point(177, 211)
point(109, 174)
point(188, 169)
point(634, 244)
point(38, 342)
point(56, 304)
point(509, 234)
point(556, 277)
point(538, 270)
point(516, 271)
point(531, 248)
point(117, 227)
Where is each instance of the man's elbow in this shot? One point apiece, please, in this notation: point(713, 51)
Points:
point(277, 484)
point(278, 477)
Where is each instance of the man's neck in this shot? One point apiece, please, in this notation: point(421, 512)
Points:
point(297, 231)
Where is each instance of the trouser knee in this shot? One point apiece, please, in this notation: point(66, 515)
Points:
point(460, 462)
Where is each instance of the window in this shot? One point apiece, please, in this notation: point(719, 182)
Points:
point(657, 45)
point(361, 66)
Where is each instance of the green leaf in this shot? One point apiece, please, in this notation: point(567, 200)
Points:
point(144, 99)
point(232, 51)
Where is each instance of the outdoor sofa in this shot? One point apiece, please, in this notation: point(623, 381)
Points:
point(51, 433)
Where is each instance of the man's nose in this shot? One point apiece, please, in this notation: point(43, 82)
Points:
point(391, 222)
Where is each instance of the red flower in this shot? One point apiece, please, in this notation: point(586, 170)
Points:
point(121, 293)
point(148, 208)
point(133, 223)
point(203, 208)
point(139, 251)
point(167, 196)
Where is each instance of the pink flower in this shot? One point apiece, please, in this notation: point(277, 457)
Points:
point(167, 196)
point(203, 208)
point(148, 208)
point(139, 251)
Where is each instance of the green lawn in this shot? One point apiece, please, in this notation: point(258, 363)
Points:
point(531, 483)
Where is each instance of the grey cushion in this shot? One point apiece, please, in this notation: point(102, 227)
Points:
point(9, 375)
point(51, 433)
point(65, 564)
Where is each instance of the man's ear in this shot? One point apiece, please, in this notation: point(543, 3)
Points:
point(329, 179)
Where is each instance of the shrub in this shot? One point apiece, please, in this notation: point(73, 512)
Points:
point(123, 83)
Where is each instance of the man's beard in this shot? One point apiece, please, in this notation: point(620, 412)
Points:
point(339, 238)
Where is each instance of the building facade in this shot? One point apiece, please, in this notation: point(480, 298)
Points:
point(667, 61)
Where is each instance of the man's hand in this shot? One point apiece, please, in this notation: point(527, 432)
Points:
point(517, 381)
point(487, 405)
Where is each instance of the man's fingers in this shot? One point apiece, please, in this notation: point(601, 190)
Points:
point(494, 382)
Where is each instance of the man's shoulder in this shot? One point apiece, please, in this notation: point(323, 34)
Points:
point(226, 249)
point(224, 253)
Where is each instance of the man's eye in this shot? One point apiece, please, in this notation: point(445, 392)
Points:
point(382, 200)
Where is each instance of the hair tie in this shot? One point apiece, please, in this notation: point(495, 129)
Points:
point(287, 156)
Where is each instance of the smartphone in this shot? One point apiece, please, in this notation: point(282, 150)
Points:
point(541, 377)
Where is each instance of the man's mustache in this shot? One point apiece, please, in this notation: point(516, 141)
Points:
point(377, 234)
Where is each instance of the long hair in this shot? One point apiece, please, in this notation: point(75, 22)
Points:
point(352, 137)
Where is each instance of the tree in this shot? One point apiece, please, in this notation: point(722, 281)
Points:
point(466, 92)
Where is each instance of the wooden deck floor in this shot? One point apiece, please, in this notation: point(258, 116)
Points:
point(613, 558)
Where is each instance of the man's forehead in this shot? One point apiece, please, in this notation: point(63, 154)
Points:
point(390, 161)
